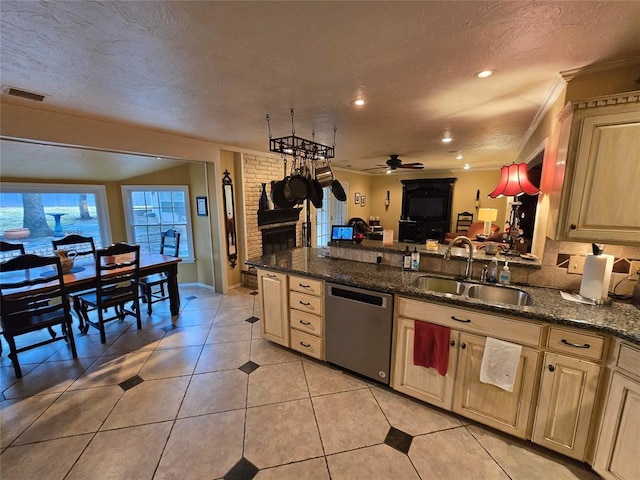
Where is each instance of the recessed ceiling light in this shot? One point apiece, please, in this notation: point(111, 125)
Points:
point(459, 156)
point(466, 166)
point(485, 73)
point(359, 102)
point(388, 171)
point(447, 137)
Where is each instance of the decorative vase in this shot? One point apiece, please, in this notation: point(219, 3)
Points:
point(66, 259)
point(263, 204)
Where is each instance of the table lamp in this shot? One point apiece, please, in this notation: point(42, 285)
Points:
point(487, 215)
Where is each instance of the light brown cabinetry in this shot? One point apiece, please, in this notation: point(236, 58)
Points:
point(600, 156)
point(306, 316)
point(274, 306)
point(461, 390)
point(506, 411)
point(568, 389)
point(617, 453)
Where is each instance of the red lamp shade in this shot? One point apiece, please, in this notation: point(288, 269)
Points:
point(514, 181)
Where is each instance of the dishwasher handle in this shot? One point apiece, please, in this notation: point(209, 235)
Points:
point(358, 296)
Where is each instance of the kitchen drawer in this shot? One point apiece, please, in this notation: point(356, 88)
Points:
point(306, 322)
point(306, 285)
point(629, 359)
point(490, 325)
point(576, 343)
point(305, 343)
point(306, 303)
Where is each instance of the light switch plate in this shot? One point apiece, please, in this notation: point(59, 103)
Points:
point(576, 264)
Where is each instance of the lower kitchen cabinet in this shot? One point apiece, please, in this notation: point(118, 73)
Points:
point(274, 306)
point(423, 383)
point(565, 405)
point(306, 316)
point(506, 411)
point(618, 451)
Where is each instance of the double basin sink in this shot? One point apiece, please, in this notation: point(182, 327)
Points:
point(486, 293)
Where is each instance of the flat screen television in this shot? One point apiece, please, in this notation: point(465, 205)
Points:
point(342, 233)
point(427, 208)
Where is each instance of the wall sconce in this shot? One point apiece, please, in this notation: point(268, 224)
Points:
point(487, 215)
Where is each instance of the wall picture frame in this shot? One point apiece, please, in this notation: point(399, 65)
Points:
point(356, 198)
point(363, 201)
point(201, 207)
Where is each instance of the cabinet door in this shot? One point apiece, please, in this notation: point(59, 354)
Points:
point(565, 406)
point(420, 382)
point(488, 404)
point(274, 307)
point(607, 162)
point(617, 453)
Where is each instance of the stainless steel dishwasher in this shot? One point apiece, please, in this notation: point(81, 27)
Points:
point(358, 330)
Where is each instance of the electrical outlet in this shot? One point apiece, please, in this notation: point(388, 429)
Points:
point(634, 268)
point(379, 257)
point(576, 264)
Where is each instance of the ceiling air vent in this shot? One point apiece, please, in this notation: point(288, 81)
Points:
point(16, 92)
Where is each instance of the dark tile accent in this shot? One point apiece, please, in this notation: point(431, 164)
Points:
point(191, 297)
point(253, 293)
point(563, 260)
point(399, 440)
point(248, 367)
point(168, 328)
point(621, 266)
point(252, 319)
point(131, 382)
point(242, 470)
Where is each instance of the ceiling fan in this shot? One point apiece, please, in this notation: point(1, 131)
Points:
point(394, 163)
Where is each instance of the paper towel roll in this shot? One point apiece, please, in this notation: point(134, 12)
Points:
point(596, 276)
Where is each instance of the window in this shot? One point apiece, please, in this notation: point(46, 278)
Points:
point(151, 210)
point(332, 212)
point(34, 214)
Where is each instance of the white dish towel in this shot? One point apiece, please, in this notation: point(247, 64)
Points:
point(500, 363)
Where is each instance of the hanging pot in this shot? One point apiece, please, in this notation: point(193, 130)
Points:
point(299, 187)
point(324, 175)
point(315, 193)
point(278, 197)
point(286, 189)
point(338, 191)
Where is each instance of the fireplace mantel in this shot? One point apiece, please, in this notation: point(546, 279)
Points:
point(279, 216)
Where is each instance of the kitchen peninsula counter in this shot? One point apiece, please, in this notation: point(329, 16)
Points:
point(618, 318)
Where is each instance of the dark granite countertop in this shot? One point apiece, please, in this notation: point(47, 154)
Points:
point(618, 318)
point(459, 251)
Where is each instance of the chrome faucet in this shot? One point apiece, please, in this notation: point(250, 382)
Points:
point(463, 239)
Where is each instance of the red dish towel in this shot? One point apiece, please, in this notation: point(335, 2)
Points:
point(431, 346)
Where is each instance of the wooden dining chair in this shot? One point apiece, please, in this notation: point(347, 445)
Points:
point(32, 298)
point(465, 219)
point(152, 287)
point(9, 250)
point(117, 270)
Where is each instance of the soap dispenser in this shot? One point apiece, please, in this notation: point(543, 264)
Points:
point(492, 275)
point(505, 274)
point(415, 259)
point(406, 259)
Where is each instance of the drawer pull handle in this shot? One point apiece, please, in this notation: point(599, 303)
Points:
point(452, 343)
point(270, 275)
point(575, 345)
point(305, 323)
point(304, 303)
point(304, 286)
point(460, 320)
point(305, 345)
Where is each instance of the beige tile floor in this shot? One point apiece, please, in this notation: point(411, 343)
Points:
point(188, 410)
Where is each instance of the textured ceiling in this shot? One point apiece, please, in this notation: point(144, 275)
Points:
point(212, 70)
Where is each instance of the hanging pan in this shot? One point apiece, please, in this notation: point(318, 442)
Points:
point(338, 191)
point(278, 197)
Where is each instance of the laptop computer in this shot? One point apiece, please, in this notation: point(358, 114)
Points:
point(342, 233)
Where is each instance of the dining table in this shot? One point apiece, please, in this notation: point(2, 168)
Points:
point(83, 275)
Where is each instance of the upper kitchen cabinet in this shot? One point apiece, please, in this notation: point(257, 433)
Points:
point(596, 192)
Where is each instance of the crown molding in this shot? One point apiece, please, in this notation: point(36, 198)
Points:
point(597, 69)
point(608, 100)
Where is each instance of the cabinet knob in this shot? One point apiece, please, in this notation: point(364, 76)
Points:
point(463, 346)
point(552, 368)
point(573, 226)
point(452, 343)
